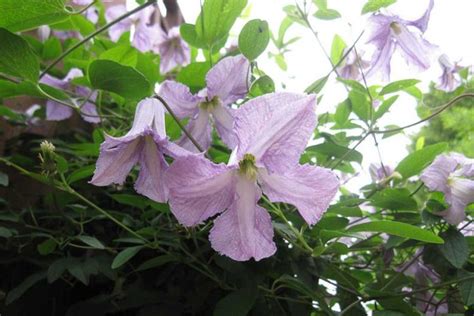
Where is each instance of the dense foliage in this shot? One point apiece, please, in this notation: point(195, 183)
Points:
point(72, 243)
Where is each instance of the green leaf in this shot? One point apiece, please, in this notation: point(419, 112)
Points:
point(316, 86)
point(76, 269)
point(91, 241)
point(156, 262)
point(216, 19)
point(397, 229)
point(125, 255)
point(237, 303)
point(5, 232)
point(374, 5)
point(337, 49)
point(81, 173)
point(194, 76)
point(254, 38)
point(56, 269)
point(455, 248)
point(343, 111)
point(122, 54)
point(336, 151)
point(360, 104)
point(466, 287)
point(188, 33)
point(28, 14)
point(417, 161)
point(132, 200)
point(51, 48)
point(17, 57)
point(394, 199)
point(262, 86)
point(385, 106)
point(123, 80)
point(398, 85)
point(327, 14)
point(24, 286)
point(46, 247)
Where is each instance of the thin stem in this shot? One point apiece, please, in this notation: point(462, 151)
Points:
point(350, 306)
point(93, 34)
point(181, 126)
point(350, 150)
point(85, 8)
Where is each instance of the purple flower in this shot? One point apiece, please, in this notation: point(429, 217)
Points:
point(379, 173)
point(144, 33)
point(392, 32)
point(173, 50)
point(453, 175)
point(144, 144)
point(272, 131)
point(450, 78)
point(58, 112)
point(226, 82)
point(350, 68)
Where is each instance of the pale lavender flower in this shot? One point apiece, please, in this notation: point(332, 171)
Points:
point(272, 132)
point(145, 144)
point(44, 31)
point(173, 50)
point(144, 34)
point(226, 82)
point(58, 112)
point(453, 175)
point(350, 67)
point(392, 32)
point(379, 172)
point(450, 78)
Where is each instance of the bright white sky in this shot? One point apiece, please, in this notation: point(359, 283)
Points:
point(449, 28)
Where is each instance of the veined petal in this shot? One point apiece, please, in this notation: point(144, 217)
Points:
point(381, 59)
point(151, 182)
point(173, 51)
point(116, 30)
point(275, 128)
point(149, 114)
point(57, 112)
point(173, 150)
point(89, 113)
point(455, 214)
point(198, 189)
point(435, 176)
point(309, 188)
point(414, 48)
point(144, 37)
point(228, 79)
point(179, 98)
point(379, 25)
point(245, 230)
point(462, 191)
point(422, 22)
point(200, 129)
point(54, 82)
point(224, 121)
point(117, 157)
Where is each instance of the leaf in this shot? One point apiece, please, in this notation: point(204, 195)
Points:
point(17, 57)
point(455, 248)
point(262, 86)
point(28, 14)
point(360, 104)
point(24, 286)
point(194, 75)
point(5, 232)
point(237, 303)
point(394, 199)
point(91, 241)
point(336, 151)
point(188, 33)
point(343, 111)
point(81, 173)
point(398, 85)
point(337, 49)
point(317, 86)
point(51, 48)
point(156, 262)
point(75, 268)
point(327, 14)
point(397, 229)
point(46, 247)
point(122, 54)
point(254, 38)
point(466, 287)
point(56, 269)
point(384, 107)
point(125, 255)
point(374, 5)
point(123, 80)
point(417, 161)
point(216, 19)
point(132, 200)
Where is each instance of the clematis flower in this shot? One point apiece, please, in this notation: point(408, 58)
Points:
point(144, 144)
point(450, 78)
point(350, 68)
point(144, 33)
point(173, 50)
point(58, 112)
point(392, 32)
point(453, 175)
point(272, 131)
point(226, 82)
point(379, 173)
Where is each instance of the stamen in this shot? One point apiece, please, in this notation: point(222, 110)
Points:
point(247, 167)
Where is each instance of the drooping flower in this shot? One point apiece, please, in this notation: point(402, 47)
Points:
point(91, 13)
point(350, 67)
point(392, 32)
point(272, 131)
point(450, 78)
point(379, 172)
point(173, 50)
point(226, 82)
point(144, 144)
point(144, 33)
point(58, 112)
point(453, 175)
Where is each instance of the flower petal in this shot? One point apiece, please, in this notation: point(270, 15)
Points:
point(381, 59)
point(179, 98)
point(200, 129)
point(462, 191)
point(245, 230)
point(229, 79)
point(275, 128)
point(435, 176)
point(116, 30)
point(224, 121)
point(422, 22)
point(89, 113)
point(151, 182)
point(149, 114)
point(198, 189)
point(309, 188)
point(455, 214)
point(117, 157)
point(173, 51)
point(414, 48)
point(57, 112)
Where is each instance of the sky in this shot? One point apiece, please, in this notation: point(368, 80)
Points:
point(449, 27)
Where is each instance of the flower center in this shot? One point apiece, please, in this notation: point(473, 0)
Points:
point(247, 167)
point(395, 28)
point(210, 104)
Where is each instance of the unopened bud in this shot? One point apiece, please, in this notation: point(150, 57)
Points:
point(47, 157)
